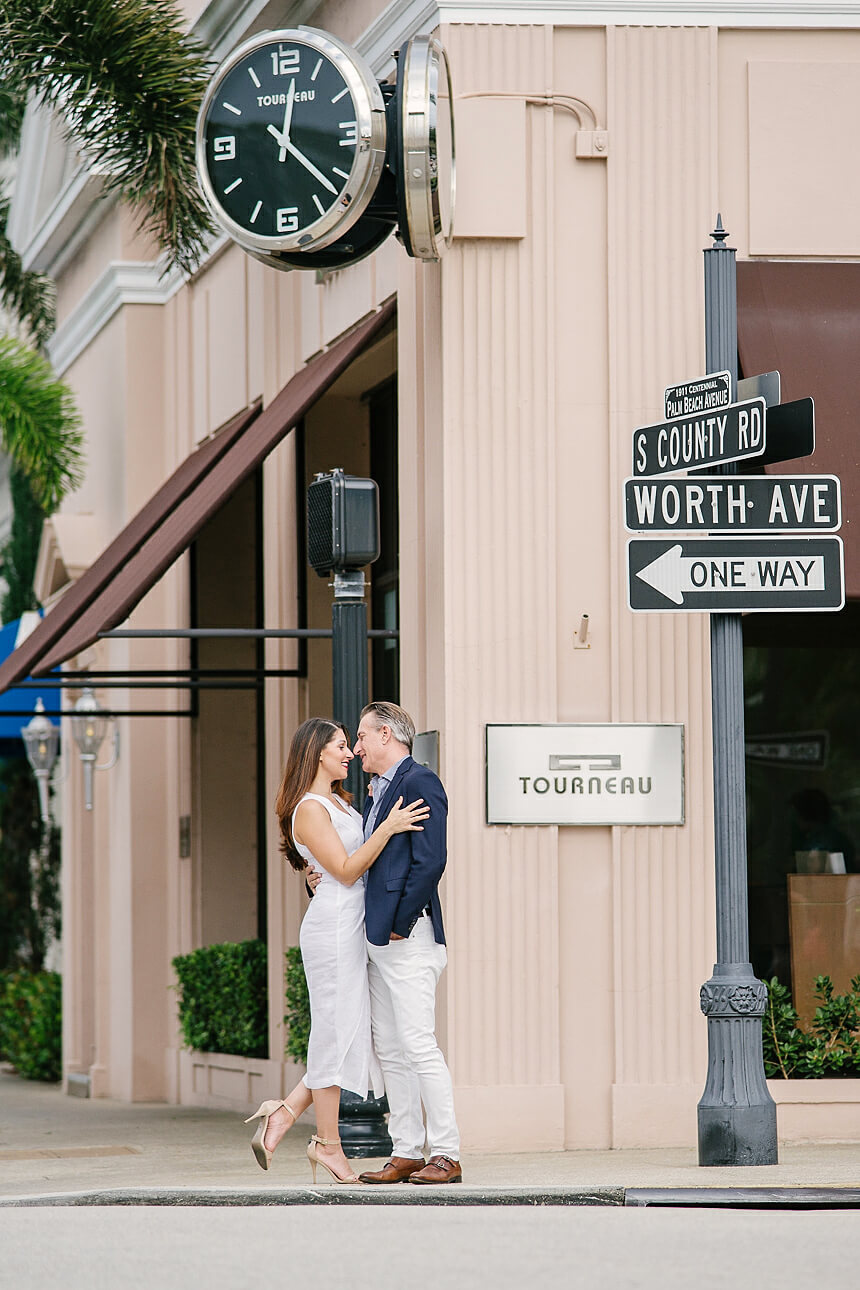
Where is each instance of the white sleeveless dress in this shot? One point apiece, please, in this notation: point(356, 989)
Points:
point(334, 953)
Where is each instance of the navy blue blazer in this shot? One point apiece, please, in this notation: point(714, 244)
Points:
point(405, 878)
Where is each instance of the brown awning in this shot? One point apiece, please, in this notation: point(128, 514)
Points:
point(803, 320)
point(89, 586)
point(133, 563)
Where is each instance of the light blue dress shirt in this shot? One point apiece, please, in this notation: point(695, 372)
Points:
point(380, 785)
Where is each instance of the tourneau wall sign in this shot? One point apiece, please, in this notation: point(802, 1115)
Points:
point(734, 504)
point(732, 433)
point(585, 774)
point(729, 574)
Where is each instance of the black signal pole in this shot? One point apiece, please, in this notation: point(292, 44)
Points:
point(349, 663)
point(736, 1113)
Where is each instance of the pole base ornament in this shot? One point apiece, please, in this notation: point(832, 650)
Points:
point(737, 1115)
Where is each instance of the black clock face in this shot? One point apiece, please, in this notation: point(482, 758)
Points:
point(280, 135)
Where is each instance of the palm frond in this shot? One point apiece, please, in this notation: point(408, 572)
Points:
point(29, 296)
point(39, 424)
point(128, 80)
point(12, 105)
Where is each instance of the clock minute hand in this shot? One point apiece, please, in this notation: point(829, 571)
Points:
point(282, 136)
point(308, 165)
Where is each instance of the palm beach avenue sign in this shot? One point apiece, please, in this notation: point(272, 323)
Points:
point(727, 571)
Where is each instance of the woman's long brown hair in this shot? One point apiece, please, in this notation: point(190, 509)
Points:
point(302, 765)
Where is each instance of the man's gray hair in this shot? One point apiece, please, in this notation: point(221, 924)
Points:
point(392, 715)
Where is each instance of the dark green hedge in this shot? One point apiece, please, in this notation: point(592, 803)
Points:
point(223, 999)
point(298, 1014)
point(31, 1023)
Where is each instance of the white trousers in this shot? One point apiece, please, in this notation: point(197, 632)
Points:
point(403, 976)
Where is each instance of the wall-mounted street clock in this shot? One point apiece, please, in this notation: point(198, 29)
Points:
point(424, 140)
point(307, 162)
point(291, 140)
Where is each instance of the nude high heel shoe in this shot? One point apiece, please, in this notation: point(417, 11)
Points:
point(266, 1109)
point(317, 1160)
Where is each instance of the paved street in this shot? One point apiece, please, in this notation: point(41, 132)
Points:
point(494, 1248)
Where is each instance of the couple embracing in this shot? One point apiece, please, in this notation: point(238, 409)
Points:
point(372, 945)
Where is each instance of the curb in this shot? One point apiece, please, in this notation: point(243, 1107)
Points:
point(330, 1195)
point(744, 1197)
point(632, 1197)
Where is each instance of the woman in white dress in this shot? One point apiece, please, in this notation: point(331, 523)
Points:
point(319, 828)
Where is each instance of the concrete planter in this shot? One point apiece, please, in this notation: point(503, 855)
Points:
point(817, 1110)
point(225, 1081)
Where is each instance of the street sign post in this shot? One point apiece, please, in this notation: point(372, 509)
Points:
point(733, 504)
point(732, 433)
point(732, 574)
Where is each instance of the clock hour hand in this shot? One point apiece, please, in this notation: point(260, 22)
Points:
point(308, 165)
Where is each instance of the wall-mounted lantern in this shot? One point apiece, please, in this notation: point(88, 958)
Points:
point(41, 742)
point(89, 726)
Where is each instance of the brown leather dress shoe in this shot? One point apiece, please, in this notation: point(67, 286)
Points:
point(398, 1169)
point(439, 1169)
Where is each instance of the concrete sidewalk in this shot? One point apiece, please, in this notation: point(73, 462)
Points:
point(58, 1149)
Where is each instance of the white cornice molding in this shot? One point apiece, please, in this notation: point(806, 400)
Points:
point(124, 282)
point(67, 224)
point(399, 20)
point(224, 23)
point(129, 282)
point(648, 13)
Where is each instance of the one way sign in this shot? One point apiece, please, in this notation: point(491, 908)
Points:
point(725, 575)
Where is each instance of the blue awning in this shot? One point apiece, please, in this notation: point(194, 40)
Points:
point(20, 699)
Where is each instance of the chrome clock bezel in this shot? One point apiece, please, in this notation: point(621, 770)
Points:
point(369, 155)
point(423, 67)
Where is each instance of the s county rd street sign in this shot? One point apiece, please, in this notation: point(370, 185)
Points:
point(732, 574)
point(733, 504)
point(732, 433)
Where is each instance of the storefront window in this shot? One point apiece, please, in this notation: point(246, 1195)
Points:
point(802, 707)
point(385, 573)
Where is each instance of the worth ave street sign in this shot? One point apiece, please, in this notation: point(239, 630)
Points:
point(732, 433)
point(733, 504)
point(732, 574)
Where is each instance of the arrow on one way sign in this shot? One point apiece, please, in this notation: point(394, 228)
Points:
point(731, 574)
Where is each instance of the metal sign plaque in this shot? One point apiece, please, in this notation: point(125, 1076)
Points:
point(585, 774)
point(732, 433)
point(733, 504)
point(702, 395)
point(731, 574)
point(764, 386)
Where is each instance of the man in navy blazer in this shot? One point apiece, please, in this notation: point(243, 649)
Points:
point(407, 954)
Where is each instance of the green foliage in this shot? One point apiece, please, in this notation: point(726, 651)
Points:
point(828, 1050)
point(128, 80)
point(19, 552)
point(29, 296)
point(31, 1023)
point(298, 1015)
point(12, 106)
point(29, 872)
point(39, 426)
point(223, 998)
